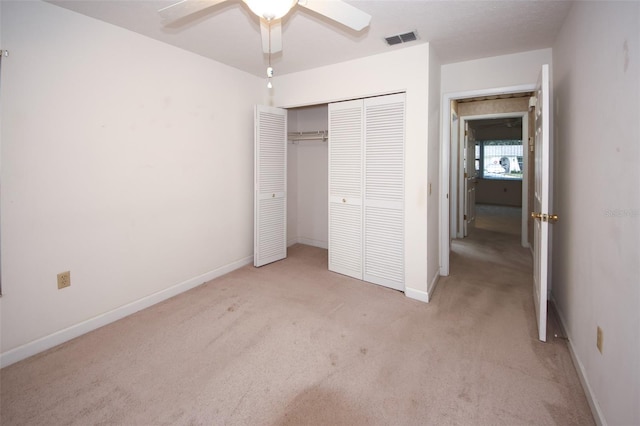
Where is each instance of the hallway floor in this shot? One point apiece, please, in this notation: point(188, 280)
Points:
point(489, 292)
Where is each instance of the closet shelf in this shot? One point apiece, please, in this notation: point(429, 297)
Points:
point(322, 135)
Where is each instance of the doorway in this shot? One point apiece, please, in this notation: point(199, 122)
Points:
point(495, 170)
point(464, 108)
point(307, 160)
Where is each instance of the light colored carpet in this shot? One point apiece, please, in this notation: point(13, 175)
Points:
point(291, 343)
point(500, 219)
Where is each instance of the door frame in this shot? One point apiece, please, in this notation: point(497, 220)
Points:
point(445, 160)
point(455, 166)
point(524, 237)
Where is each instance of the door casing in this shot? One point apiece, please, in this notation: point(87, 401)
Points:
point(525, 177)
point(445, 161)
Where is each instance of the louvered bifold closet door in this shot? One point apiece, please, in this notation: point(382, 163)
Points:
point(345, 188)
point(270, 216)
point(384, 190)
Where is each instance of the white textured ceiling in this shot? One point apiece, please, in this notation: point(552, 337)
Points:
point(230, 33)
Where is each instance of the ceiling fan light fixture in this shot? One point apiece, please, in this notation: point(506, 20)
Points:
point(270, 9)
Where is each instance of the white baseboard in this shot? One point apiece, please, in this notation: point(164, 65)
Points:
point(433, 284)
point(420, 295)
point(59, 337)
point(423, 296)
point(308, 242)
point(314, 243)
point(596, 411)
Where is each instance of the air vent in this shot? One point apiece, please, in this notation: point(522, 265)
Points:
point(401, 38)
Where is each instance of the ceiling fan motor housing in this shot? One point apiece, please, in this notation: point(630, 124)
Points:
point(270, 9)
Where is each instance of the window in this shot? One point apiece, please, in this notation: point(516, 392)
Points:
point(499, 159)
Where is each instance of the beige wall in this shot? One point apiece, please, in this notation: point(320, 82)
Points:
point(596, 243)
point(494, 72)
point(124, 160)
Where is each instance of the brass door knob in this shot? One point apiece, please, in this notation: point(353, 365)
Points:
point(551, 218)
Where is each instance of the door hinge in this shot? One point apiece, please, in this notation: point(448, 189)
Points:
point(465, 217)
point(465, 175)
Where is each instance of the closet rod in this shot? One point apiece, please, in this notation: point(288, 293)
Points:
point(307, 136)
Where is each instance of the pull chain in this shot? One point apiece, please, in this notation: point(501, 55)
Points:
point(269, 69)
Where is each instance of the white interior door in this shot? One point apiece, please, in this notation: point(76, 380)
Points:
point(270, 203)
point(541, 202)
point(345, 187)
point(461, 189)
point(384, 190)
point(453, 190)
point(472, 180)
point(469, 179)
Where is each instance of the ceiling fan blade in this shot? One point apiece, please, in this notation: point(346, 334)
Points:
point(184, 8)
point(276, 35)
point(339, 11)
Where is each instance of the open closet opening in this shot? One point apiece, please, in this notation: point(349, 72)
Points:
point(345, 180)
point(307, 175)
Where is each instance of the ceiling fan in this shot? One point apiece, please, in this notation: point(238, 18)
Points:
point(271, 12)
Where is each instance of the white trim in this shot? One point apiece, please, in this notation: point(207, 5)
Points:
point(308, 242)
point(596, 411)
point(524, 217)
point(313, 243)
point(461, 182)
point(423, 296)
point(445, 159)
point(524, 237)
point(420, 295)
point(445, 197)
point(61, 336)
point(432, 286)
point(454, 152)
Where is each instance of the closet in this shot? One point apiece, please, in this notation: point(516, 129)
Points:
point(344, 189)
point(307, 159)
